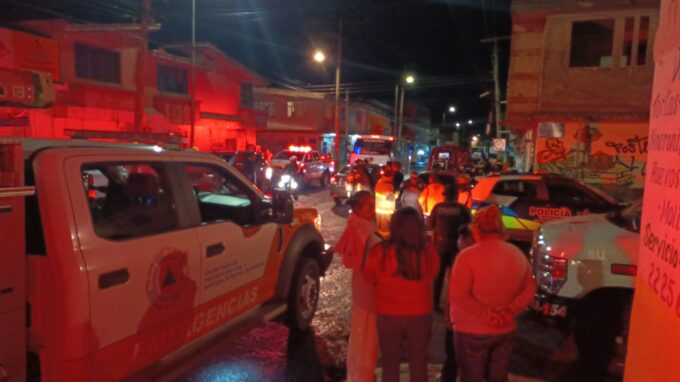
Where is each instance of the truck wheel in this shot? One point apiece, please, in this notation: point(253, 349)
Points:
point(324, 179)
point(304, 294)
point(601, 332)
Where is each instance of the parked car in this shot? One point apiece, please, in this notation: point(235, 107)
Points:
point(132, 253)
point(312, 166)
point(253, 166)
point(339, 188)
point(531, 199)
point(585, 268)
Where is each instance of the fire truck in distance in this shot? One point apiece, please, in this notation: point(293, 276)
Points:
point(449, 157)
point(118, 257)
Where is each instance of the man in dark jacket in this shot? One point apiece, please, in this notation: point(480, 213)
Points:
point(446, 219)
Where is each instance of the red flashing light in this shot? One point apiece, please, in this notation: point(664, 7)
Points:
point(375, 136)
point(299, 149)
point(391, 138)
point(334, 179)
point(559, 269)
point(624, 269)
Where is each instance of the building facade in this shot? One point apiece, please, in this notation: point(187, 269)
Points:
point(579, 88)
point(294, 117)
point(96, 89)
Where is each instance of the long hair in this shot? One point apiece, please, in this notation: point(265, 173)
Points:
point(407, 235)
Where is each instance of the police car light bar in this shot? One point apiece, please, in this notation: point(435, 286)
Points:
point(299, 149)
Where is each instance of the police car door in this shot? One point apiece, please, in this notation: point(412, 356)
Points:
point(239, 255)
point(575, 198)
point(518, 199)
point(141, 257)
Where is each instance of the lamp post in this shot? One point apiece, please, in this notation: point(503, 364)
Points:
point(320, 57)
point(409, 79)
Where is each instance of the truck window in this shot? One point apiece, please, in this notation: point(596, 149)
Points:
point(129, 200)
point(518, 188)
point(219, 196)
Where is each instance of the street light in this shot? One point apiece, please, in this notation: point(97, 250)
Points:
point(469, 122)
point(409, 79)
point(452, 109)
point(457, 124)
point(319, 56)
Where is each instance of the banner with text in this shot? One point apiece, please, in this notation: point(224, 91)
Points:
point(654, 340)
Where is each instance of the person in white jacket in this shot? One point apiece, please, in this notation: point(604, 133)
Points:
point(357, 239)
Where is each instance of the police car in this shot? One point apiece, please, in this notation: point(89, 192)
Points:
point(585, 269)
point(527, 200)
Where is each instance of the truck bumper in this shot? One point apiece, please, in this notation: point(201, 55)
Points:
point(553, 307)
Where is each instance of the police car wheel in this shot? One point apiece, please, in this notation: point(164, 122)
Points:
point(324, 179)
point(304, 294)
point(601, 331)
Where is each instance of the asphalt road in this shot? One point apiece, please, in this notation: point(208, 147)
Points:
point(270, 352)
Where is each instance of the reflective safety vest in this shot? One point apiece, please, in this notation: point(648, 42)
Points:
point(385, 200)
point(432, 195)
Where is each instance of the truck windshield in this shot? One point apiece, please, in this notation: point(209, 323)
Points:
point(372, 146)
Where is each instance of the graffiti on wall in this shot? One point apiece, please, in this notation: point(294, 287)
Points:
point(608, 155)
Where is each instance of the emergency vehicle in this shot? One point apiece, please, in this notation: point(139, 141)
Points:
point(449, 157)
point(311, 165)
point(585, 269)
point(528, 200)
point(376, 149)
point(121, 255)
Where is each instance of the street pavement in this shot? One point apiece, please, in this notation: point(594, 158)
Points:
point(270, 352)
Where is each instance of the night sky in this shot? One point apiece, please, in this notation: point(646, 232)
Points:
point(436, 40)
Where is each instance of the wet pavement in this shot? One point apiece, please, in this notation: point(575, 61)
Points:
point(270, 352)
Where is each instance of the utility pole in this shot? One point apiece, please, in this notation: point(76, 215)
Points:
point(141, 67)
point(337, 96)
point(496, 80)
point(192, 130)
point(395, 125)
point(401, 113)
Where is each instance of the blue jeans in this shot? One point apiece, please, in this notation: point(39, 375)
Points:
point(393, 333)
point(483, 357)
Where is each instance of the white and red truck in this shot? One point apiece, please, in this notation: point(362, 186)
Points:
point(117, 256)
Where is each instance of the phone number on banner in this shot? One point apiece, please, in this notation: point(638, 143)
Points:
point(663, 284)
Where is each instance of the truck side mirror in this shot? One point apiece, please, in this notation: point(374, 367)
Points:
point(282, 207)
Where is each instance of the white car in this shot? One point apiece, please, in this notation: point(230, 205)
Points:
point(585, 268)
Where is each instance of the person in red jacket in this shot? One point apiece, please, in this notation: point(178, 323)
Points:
point(402, 270)
point(491, 284)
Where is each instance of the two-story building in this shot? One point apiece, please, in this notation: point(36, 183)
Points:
point(294, 117)
point(97, 88)
point(579, 89)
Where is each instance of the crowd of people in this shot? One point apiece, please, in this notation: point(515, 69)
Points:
point(398, 275)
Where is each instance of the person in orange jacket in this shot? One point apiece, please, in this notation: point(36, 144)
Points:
point(432, 195)
point(385, 200)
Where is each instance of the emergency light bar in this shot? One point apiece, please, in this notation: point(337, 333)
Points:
point(299, 149)
point(167, 139)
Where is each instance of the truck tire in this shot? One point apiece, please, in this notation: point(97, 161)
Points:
point(304, 294)
point(323, 181)
point(601, 331)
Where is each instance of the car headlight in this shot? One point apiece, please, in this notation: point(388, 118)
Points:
point(268, 173)
point(293, 185)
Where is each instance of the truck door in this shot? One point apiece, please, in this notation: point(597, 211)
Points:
point(142, 259)
point(240, 256)
point(12, 263)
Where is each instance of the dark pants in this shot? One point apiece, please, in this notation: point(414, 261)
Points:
point(446, 254)
point(483, 357)
point(450, 367)
point(393, 333)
